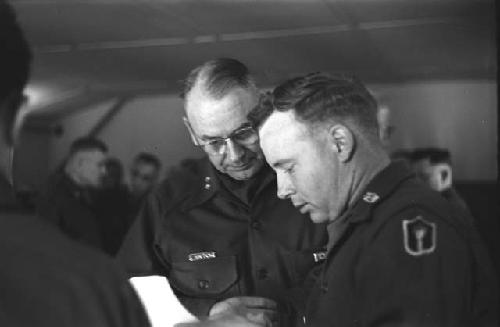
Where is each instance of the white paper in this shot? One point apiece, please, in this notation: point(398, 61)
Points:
point(162, 306)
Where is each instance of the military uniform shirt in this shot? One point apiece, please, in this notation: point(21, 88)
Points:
point(402, 256)
point(212, 245)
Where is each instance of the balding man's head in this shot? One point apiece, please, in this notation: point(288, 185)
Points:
point(219, 76)
point(218, 96)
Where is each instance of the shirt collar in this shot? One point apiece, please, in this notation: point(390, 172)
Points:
point(379, 188)
point(205, 186)
point(209, 183)
point(66, 181)
point(62, 181)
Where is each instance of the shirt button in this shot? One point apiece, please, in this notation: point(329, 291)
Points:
point(262, 273)
point(203, 284)
point(255, 224)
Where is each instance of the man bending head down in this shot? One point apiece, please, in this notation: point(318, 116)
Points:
point(399, 254)
point(317, 129)
point(218, 96)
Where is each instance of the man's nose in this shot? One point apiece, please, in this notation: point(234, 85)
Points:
point(285, 187)
point(234, 151)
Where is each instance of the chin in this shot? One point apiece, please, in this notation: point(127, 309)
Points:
point(318, 217)
point(242, 175)
point(245, 174)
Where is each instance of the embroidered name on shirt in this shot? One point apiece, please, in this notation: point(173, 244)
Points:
point(201, 256)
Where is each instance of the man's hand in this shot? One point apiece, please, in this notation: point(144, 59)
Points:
point(225, 320)
point(257, 309)
point(245, 311)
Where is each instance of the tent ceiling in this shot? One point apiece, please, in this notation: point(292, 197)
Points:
point(111, 47)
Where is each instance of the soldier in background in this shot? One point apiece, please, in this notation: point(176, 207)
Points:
point(433, 166)
point(144, 176)
point(69, 199)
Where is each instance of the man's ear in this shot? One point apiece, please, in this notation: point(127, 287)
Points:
point(444, 176)
point(190, 130)
point(342, 141)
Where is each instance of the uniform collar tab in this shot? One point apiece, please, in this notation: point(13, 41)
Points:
point(205, 186)
point(381, 186)
point(209, 183)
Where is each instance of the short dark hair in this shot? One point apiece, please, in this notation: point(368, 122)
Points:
point(86, 144)
point(219, 76)
point(434, 155)
point(320, 97)
point(148, 158)
point(15, 53)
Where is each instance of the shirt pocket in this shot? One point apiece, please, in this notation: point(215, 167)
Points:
point(204, 278)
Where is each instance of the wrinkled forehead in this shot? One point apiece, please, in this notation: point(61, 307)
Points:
point(211, 116)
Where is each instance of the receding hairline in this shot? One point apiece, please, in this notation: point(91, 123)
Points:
point(201, 84)
point(218, 77)
point(198, 90)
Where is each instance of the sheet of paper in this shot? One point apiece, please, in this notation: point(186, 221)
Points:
point(162, 306)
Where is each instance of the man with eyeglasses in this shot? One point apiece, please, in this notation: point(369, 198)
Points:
point(215, 227)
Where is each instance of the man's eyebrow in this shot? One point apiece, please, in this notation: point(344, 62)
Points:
point(211, 137)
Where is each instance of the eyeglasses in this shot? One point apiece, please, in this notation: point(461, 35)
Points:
point(244, 136)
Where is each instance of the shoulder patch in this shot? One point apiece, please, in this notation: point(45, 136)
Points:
point(419, 236)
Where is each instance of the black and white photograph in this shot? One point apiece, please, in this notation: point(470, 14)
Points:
point(249, 163)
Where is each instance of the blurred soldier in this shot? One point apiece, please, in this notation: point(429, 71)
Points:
point(433, 166)
point(68, 200)
point(46, 279)
point(144, 176)
point(215, 227)
point(114, 206)
point(398, 254)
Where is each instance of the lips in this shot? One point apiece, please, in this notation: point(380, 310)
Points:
point(240, 167)
point(303, 208)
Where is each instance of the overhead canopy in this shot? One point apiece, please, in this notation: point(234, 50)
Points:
point(94, 49)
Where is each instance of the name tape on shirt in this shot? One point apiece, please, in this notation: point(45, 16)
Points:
point(201, 256)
